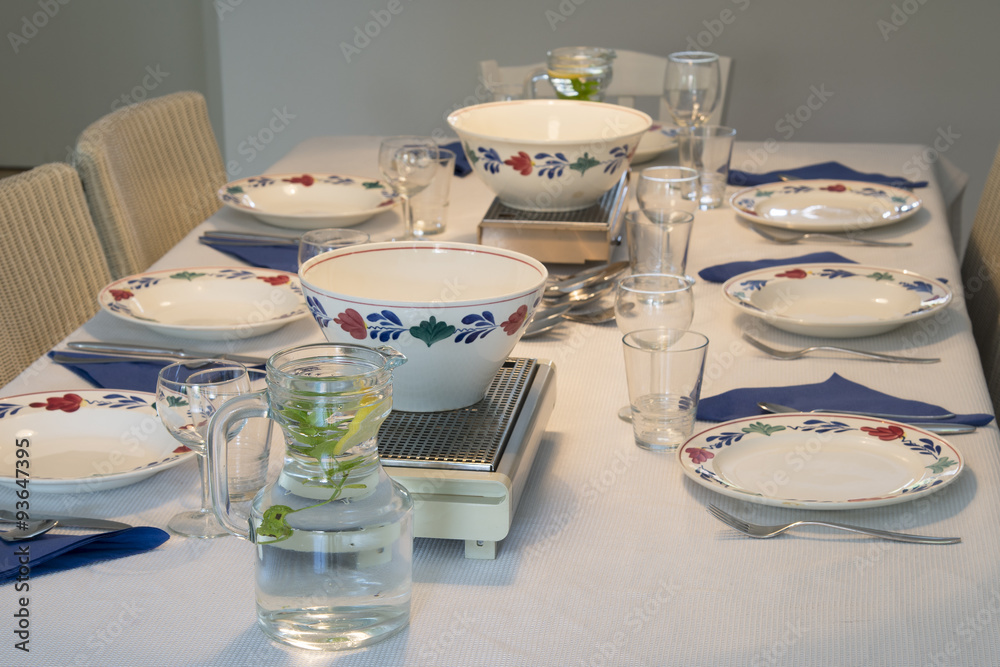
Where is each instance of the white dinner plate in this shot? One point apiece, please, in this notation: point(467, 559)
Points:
point(308, 201)
point(80, 441)
point(216, 303)
point(836, 300)
point(824, 205)
point(825, 461)
point(657, 139)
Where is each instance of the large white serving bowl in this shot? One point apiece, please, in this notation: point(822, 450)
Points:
point(455, 310)
point(549, 155)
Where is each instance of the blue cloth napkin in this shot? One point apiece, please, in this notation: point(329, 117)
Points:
point(832, 170)
point(462, 166)
point(124, 375)
point(720, 273)
point(277, 257)
point(54, 553)
point(836, 393)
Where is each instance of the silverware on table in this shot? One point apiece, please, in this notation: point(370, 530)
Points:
point(758, 531)
point(796, 354)
point(594, 276)
point(102, 349)
point(933, 427)
point(788, 237)
point(27, 530)
point(249, 238)
point(6, 516)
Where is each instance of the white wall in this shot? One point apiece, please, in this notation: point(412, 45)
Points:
point(275, 73)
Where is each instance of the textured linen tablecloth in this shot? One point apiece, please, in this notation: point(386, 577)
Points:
point(612, 558)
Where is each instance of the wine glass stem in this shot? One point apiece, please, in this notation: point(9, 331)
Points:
point(206, 490)
point(407, 217)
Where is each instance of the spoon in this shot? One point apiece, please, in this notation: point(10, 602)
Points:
point(31, 529)
point(598, 317)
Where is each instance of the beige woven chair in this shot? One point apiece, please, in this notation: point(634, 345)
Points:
point(981, 280)
point(150, 171)
point(52, 265)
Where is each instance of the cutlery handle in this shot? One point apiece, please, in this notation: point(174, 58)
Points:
point(124, 348)
point(889, 535)
point(879, 355)
point(857, 241)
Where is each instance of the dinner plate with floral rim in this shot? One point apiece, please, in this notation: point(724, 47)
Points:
point(657, 139)
point(823, 205)
point(829, 461)
point(77, 441)
point(213, 303)
point(836, 300)
point(308, 201)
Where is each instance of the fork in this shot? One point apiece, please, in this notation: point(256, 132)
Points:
point(790, 237)
point(797, 354)
point(754, 530)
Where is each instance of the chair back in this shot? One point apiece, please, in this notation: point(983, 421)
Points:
point(52, 264)
point(637, 81)
point(150, 171)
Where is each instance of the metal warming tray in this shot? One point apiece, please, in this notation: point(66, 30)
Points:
point(564, 237)
point(466, 469)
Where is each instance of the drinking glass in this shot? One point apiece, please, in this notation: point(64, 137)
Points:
point(187, 395)
point(651, 300)
point(667, 189)
point(691, 89)
point(409, 165)
point(318, 241)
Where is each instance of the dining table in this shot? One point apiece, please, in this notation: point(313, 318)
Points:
point(612, 557)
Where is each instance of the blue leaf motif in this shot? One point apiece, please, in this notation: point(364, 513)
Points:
point(919, 286)
point(836, 273)
point(753, 285)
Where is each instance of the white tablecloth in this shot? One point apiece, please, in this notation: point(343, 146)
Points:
point(612, 558)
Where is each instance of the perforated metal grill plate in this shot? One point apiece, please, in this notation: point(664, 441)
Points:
point(472, 438)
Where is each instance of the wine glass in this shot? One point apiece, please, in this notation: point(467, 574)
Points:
point(187, 395)
point(318, 241)
point(690, 93)
point(651, 300)
point(667, 189)
point(409, 164)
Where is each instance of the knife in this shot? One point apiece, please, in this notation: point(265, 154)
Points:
point(70, 521)
point(939, 428)
point(250, 238)
point(138, 351)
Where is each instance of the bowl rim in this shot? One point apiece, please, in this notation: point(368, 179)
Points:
point(455, 115)
point(501, 297)
point(223, 191)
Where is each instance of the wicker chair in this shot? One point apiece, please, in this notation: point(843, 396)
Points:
point(52, 265)
point(150, 171)
point(981, 280)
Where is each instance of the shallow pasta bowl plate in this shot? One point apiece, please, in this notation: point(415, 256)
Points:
point(212, 303)
point(308, 201)
point(836, 300)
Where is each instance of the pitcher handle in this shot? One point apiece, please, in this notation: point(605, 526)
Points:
point(530, 83)
point(246, 406)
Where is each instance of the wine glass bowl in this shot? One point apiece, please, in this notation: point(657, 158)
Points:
point(667, 189)
point(691, 87)
point(408, 164)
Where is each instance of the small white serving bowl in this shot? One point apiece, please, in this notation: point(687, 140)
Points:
point(455, 310)
point(308, 201)
point(549, 155)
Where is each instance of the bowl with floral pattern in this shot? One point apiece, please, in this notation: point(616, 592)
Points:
point(549, 155)
point(455, 310)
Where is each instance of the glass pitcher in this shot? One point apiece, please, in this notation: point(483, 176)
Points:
point(576, 73)
point(334, 533)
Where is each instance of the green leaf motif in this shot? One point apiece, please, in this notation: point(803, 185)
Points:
point(431, 331)
point(881, 275)
point(235, 190)
point(762, 428)
point(176, 402)
point(583, 163)
point(941, 465)
point(274, 523)
point(764, 193)
point(473, 158)
point(187, 275)
point(372, 185)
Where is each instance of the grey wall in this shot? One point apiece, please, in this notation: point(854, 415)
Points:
point(900, 71)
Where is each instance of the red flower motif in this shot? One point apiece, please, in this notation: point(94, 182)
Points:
point(66, 403)
point(884, 432)
point(304, 179)
point(515, 321)
point(351, 321)
point(699, 455)
point(521, 162)
point(387, 202)
point(835, 188)
point(182, 449)
point(274, 280)
point(121, 294)
point(798, 274)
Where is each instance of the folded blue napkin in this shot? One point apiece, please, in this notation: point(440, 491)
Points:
point(832, 170)
point(125, 375)
point(836, 393)
point(462, 166)
point(278, 257)
point(720, 273)
point(54, 553)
